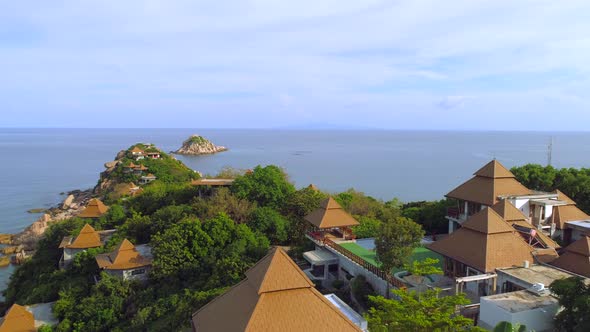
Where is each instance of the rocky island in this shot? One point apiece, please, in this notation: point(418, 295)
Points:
point(198, 145)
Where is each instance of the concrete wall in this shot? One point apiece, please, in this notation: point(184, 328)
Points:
point(69, 253)
point(354, 269)
point(490, 314)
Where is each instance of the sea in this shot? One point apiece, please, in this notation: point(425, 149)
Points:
point(38, 166)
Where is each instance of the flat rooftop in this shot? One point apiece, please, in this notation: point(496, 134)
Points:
point(585, 224)
point(521, 301)
point(320, 256)
point(212, 182)
point(536, 274)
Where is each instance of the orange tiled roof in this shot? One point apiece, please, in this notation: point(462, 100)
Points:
point(576, 257)
point(275, 296)
point(485, 242)
point(18, 319)
point(94, 209)
point(330, 214)
point(136, 150)
point(88, 238)
point(124, 257)
point(313, 187)
point(490, 182)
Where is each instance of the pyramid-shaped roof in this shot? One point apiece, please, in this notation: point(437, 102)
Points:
point(485, 242)
point(576, 257)
point(88, 238)
point(124, 257)
point(136, 150)
point(487, 221)
point(313, 187)
point(277, 272)
point(18, 319)
point(564, 213)
point(489, 183)
point(563, 197)
point(330, 214)
point(508, 211)
point(94, 209)
point(275, 296)
point(494, 170)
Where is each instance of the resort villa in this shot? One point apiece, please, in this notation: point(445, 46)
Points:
point(88, 238)
point(147, 179)
point(94, 209)
point(553, 214)
point(17, 319)
point(137, 153)
point(127, 261)
point(276, 296)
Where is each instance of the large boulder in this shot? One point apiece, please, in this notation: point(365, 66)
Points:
point(67, 202)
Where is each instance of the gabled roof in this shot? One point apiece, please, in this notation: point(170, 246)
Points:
point(94, 209)
point(275, 296)
point(131, 165)
point(18, 319)
point(88, 238)
point(485, 242)
point(576, 257)
point(124, 257)
point(508, 212)
point(330, 214)
point(490, 182)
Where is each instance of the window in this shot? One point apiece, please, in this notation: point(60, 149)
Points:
point(138, 271)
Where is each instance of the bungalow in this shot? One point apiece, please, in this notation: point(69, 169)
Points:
point(153, 154)
point(139, 169)
point(94, 209)
point(137, 153)
point(493, 183)
point(127, 261)
point(147, 179)
point(88, 238)
point(574, 223)
point(129, 168)
point(276, 296)
point(17, 319)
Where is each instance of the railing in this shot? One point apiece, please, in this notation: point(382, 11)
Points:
point(470, 311)
point(453, 212)
point(366, 265)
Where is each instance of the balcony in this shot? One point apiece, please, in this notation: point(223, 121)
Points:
point(334, 234)
point(456, 214)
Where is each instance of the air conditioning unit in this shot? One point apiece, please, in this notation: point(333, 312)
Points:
point(538, 289)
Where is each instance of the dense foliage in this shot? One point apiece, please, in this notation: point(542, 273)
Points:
point(571, 181)
point(203, 240)
point(411, 311)
point(574, 297)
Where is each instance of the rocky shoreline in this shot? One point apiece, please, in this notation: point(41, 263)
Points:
point(24, 242)
point(198, 145)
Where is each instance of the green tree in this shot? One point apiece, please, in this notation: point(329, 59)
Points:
point(396, 241)
point(574, 297)
point(368, 227)
point(411, 311)
point(268, 186)
point(509, 327)
point(270, 223)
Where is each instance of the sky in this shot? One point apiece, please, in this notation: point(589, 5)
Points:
point(415, 64)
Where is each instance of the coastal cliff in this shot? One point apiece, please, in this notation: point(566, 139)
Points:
point(197, 145)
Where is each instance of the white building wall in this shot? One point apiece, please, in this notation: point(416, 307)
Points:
point(490, 314)
point(522, 205)
point(539, 320)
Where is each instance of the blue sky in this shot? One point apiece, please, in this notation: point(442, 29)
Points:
point(416, 64)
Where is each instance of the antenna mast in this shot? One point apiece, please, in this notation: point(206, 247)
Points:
point(550, 151)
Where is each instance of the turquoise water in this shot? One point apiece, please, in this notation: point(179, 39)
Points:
point(38, 164)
